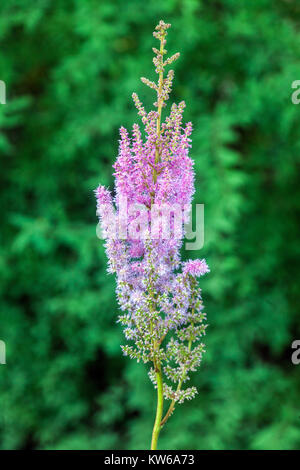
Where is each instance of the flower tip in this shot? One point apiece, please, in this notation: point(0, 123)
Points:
point(103, 195)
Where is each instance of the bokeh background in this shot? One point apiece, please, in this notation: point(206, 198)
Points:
point(70, 67)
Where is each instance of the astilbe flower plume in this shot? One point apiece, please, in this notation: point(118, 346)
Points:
point(161, 304)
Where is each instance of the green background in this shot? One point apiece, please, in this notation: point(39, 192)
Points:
point(70, 67)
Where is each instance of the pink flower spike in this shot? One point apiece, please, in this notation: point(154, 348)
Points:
point(196, 268)
point(103, 195)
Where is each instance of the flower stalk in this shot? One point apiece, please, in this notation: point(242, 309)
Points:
point(158, 294)
point(159, 409)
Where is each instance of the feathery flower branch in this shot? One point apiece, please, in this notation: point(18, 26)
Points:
point(158, 294)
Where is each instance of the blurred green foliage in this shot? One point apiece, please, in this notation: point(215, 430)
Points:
point(70, 67)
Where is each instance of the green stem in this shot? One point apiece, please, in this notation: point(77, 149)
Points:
point(159, 409)
point(157, 366)
point(159, 109)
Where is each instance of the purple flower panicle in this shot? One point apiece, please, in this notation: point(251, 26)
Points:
point(158, 294)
